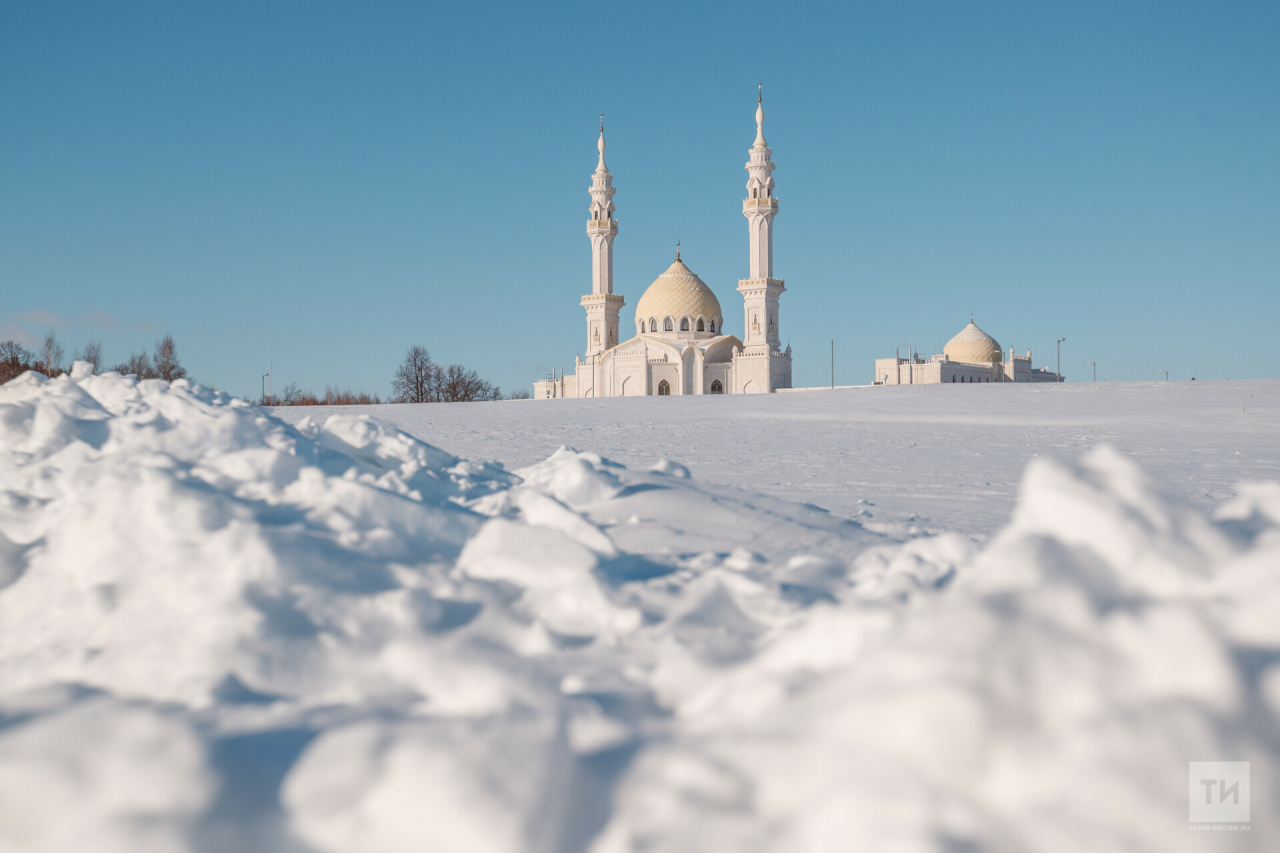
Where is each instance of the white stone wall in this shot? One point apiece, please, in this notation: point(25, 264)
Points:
point(940, 369)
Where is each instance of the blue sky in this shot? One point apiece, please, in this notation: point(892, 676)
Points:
point(327, 184)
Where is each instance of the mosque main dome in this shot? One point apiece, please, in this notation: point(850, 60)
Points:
point(973, 346)
point(678, 293)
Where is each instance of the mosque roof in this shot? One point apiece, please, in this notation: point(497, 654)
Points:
point(973, 346)
point(678, 293)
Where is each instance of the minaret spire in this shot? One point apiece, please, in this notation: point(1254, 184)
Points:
point(601, 167)
point(763, 357)
point(760, 143)
point(760, 206)
point(602, 304)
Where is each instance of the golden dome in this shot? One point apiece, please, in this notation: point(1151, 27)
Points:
point(973, 346)
point(678, 293)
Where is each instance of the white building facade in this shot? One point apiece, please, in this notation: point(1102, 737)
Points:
point(679, 345)
point(971, 356)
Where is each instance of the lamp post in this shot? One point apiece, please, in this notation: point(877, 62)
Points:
point(833, 365)
point(264, 387)
point(1095, 369)
point(1166, 374)
point(1058, 373)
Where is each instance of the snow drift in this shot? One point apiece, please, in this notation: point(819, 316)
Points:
point(220, 632)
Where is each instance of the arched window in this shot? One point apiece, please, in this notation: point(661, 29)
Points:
point(953, 378)
point(701, 325)
point(653, 324)
point(664, 388)
point(716, 387)
point(755, 193)
point(684, 324)
point(713, 327)
point(667, 325)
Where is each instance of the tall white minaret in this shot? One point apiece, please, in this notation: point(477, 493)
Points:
point(602, 304)
point(760, 292)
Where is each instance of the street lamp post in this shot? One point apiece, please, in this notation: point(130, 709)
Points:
point(1058, 373)
point(1095, 369)
point(1166, 374)
point(897, 354)
point(264, 386)
point(833, 365)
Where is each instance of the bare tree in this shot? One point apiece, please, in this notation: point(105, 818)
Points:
point(522, 394)
point(418, 379)
point(139, 365)
point(166, 360)
point(290, 395)
point(50, 355)
point(92, 354)
point(460, 385)
point(15, 360)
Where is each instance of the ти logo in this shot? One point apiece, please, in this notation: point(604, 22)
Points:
point(1218, 792)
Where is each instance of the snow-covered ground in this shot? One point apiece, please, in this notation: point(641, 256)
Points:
point(941, 619)
point(940, 457)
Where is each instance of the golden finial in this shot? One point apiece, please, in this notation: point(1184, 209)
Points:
point(677, 250)
point(760, 93)
point(602, 122)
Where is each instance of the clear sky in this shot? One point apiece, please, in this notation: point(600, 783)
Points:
point(330, 183)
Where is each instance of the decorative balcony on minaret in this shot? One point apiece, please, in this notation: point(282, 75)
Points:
point(602, 304)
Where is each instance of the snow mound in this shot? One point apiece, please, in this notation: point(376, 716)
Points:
point(1049, 699)
point(218, 631)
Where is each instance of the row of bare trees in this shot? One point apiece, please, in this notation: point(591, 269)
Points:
point(50, 359)
point(163, 363)
point(418, 379)
point(292, 395)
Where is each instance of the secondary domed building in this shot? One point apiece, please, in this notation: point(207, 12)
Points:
point(680, 346)
point(971, 356)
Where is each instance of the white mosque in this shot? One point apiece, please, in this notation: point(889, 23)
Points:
point(680, 346)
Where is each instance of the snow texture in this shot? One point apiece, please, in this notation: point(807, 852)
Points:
point(220, 631)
